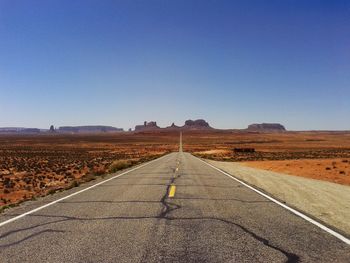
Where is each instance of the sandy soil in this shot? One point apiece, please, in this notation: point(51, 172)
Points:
point(331, 170)
point(325, 201)
point(37, 165)
point(217, 151)
point(219, 146)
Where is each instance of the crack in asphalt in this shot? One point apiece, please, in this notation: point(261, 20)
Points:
point(290, 256)
point(168, 207)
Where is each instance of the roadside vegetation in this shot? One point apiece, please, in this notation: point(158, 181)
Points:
point(35, 166)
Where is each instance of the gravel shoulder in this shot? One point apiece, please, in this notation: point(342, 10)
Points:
point(328, 202)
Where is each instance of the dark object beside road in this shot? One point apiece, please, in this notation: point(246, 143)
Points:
point(244, 150)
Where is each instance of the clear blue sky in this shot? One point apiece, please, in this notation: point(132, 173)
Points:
point(122, 62)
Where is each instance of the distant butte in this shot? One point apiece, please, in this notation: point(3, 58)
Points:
point(197, 124)
point(266, 127)
point(202, 125)
point(88, 129)
point(189, 125)
point(147, 126)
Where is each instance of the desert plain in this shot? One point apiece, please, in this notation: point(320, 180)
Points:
point(317, 155)
point(36, 165)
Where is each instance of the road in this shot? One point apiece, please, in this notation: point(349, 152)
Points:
point(174, 209)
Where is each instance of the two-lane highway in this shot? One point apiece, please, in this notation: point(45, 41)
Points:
point(174, 209)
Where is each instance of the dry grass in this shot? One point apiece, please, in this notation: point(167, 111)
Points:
point(120, 165)
point(317, 155)
point(37, 165)
point(32, 166)
point(269, 146)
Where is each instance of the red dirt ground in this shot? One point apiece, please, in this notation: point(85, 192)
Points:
point(35, 165)
point(332, 170)
point(32, 166)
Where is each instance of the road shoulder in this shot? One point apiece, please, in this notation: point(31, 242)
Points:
point(326, 202)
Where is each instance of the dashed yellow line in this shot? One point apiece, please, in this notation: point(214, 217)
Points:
point(172, 191)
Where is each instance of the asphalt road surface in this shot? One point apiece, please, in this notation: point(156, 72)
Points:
point(174, 209)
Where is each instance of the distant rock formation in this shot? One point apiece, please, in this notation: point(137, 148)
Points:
point(31, 130)
point(266, 127)
point(172, 127)
point(147, 126)
point(196, 125)
point(189, 125)
point(88, 129)
point(19, 130)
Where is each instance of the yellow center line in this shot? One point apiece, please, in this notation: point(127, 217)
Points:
point(172, 191)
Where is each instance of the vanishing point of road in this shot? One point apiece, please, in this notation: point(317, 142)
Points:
point(173, 209)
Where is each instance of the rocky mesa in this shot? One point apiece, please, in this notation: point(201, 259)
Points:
point(266, 127)
point(88, 129)
point(196, 125)
point(147, 126)
point(202, 125)
point(189, 125)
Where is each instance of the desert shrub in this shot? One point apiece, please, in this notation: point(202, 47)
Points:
point(27, 180)
point(134, 162)
point(119, 165)
point(73, 184)
point(51, 191)
point(89, 177)
point(244, 150)
point(99, 170)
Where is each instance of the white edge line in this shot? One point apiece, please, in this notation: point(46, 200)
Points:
point(76, 193)
point(305, 217)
